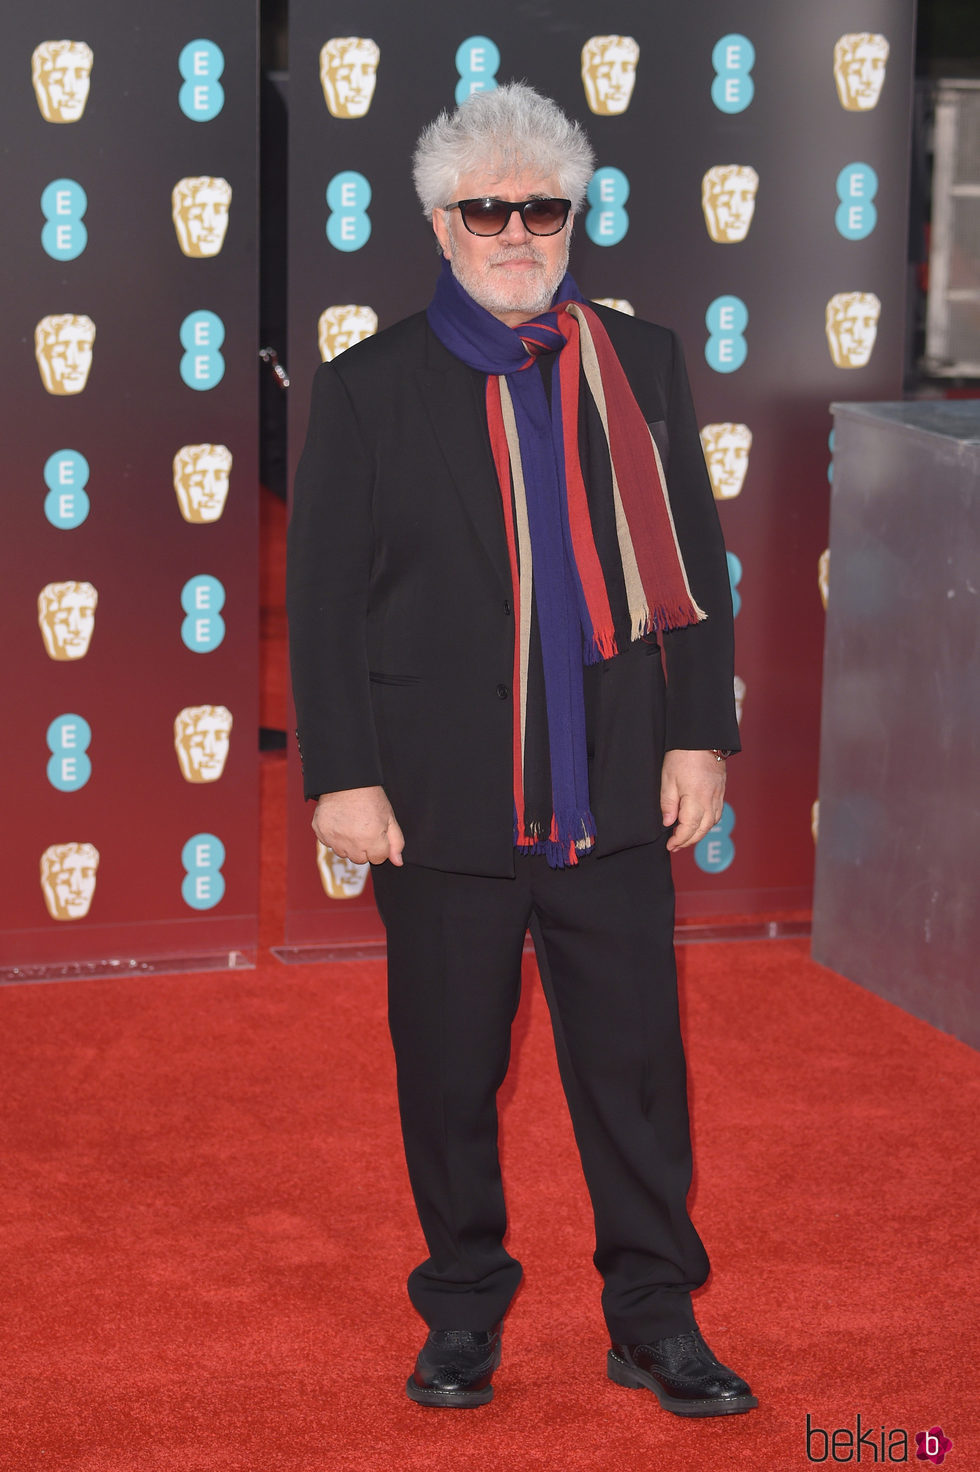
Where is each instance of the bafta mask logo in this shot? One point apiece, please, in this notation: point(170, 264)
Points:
point(348, 73)
point(852, 326)
point(63, 348)
point(609, 73)
point(823, 576)
point(728, 200)
point(341, 878)
point(68, 879)
point(61, 72)
point(618, 304)
point(726, 453)
point(201, 477)
point(815, 821)
point(66, 617)
point(739, 699)
point(200, 214)
point(339, 328)
point(202, 734)
point(860, 58)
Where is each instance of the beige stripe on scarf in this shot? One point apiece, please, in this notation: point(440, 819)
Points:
point(523, 541)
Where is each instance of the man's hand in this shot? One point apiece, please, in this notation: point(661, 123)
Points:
point(692, 790)
point(358, 824)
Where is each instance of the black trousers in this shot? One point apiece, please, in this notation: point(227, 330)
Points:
point(603, 931)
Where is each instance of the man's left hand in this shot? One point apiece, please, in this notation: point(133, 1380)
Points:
point(692, 791)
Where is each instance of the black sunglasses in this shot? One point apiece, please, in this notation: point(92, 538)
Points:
point(489, 216)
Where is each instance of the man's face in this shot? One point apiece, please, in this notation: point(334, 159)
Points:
point(609, 73)
point(348, 73)
point(852, 326)
point(728, 201)
point(200, 214)
point(202, 735)
point(66, 615)
point(339, 328)
point(201, 474)
point(859, 69)
point(63, 349)
point(68, 879)
point(726, 452)
point(515, 274)
point(61, 72)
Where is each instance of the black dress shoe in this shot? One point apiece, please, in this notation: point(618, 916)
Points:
point(683, 1374)
point(454, 1368)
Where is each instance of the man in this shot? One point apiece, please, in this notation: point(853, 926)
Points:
point(478, 575)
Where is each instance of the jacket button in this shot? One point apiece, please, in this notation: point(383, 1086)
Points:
point(503, 692)
point(506, 605)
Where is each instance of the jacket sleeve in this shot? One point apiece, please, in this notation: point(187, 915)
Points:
point(329, 557)
point(699, 659)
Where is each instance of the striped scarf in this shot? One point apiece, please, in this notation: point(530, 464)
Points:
point(594, 557)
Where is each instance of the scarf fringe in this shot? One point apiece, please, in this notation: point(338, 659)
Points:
point(570, 836)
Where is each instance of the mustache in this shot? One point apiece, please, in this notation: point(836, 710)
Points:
point(514, 253)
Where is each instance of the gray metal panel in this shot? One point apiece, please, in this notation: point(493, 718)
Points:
point(898, 857)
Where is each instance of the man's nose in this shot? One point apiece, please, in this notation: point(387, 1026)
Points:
point(516, 231)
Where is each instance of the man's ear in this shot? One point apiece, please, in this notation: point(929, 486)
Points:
point(441, 230)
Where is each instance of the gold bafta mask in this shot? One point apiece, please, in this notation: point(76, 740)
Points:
point(618, 304)
point(63, 349)
point(339, 328)
point(726, 453)
point(823, 576)
point(201, 476)
point(815, 820)
point(739, 698)
point(852, 326)
point(200, 207)
point(341, 878)
point(728, 200)
point(348, 73)
point(68, 879)
point(61, 72)
point(66, 617)
point(860, 58)
point(609, 72)
point(201, 737)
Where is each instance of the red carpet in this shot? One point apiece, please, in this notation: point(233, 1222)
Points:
point(206, 1227)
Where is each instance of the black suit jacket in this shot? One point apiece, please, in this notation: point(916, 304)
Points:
point(400, 604)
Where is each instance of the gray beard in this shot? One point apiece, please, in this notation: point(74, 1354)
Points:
point(480, 290)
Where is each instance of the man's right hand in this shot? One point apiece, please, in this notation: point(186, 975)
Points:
point(359, 824)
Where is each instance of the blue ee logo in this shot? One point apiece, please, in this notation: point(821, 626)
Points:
point(726, 320)
point(202, 96)
point(203, 884)
point(63, 204)
point(830, 466)
point(733, 59)
point(202, 599)
point(716, 851)
point(856, 216)
point(348, 224)
point(734, 578)
point(201, 335)
point(477, 61)
point(66, 475)
point(68, 739)
point(607, 221)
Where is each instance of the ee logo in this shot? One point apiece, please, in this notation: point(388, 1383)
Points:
point(202, 599)
point(63, 204)
point(202, 96)
point(68, 739)
point(716, 851)
point(830, 465)
point(203, 885)
point(726, 320)
point(734, 578)
point(201, 335)
point(348, 224)
point(66, 475)
point(733, 59)
point(856, 216)
point(477, 61)
point(607, 221)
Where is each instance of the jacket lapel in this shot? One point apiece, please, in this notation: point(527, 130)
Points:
point(453, 402)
